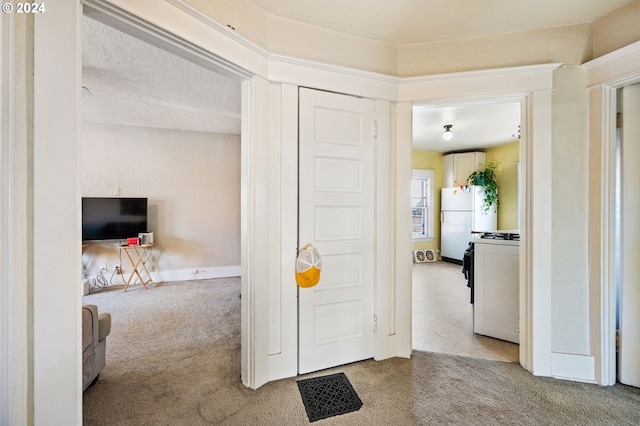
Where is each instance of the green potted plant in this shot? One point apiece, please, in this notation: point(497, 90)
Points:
point(485, 177)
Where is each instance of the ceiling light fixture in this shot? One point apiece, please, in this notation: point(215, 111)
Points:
point(447, 135)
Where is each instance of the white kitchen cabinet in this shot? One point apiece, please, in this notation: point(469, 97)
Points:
point(456, 168)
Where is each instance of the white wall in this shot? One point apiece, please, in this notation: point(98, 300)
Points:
point(570, 197)
point(192, 181)
point(53, 314)
point(16, 193)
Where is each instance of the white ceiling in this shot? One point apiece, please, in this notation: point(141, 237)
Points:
point(417, 21)
point(474, 126)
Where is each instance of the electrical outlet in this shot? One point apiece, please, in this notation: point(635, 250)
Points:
point(103, 268)
point(118, 270)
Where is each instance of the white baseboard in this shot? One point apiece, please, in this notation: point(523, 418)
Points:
point(186, 274)
point(578, 368)
point(201, 274)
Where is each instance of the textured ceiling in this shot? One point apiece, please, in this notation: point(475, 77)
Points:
point(130, 82)
point(417, 21)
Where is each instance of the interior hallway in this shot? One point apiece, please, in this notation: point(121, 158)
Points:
point(443, 316)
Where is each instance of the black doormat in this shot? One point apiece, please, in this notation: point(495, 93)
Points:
point(328, 396)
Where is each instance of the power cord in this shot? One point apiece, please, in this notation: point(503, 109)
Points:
point(100, 281)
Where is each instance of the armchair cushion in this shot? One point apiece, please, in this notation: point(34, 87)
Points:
point(95, 329)
point(104, 325)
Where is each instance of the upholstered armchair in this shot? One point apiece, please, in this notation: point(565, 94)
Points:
point(95, 329)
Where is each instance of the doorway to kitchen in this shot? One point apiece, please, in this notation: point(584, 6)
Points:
point(488, 131)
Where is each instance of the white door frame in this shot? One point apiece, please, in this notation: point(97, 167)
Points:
point(532, 87)
point(14, 314)
point(5, 84)
point(283, 315)
point(254, 223)
point(525, 356)
point(605, 74)
point(628, 230)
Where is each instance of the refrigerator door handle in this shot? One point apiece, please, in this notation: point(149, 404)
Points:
point(441, 217)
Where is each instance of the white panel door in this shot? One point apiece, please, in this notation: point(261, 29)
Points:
point(629, 352)
point(336, 215)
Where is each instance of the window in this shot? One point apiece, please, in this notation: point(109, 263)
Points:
point(422, 205)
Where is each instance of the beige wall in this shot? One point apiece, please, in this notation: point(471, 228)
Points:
point(506, 156)
point(322, 45)
point(299, 40)
point(572, 44)
point(192, 180)
point(243, 16)
point(618, 29)
point(429, 160)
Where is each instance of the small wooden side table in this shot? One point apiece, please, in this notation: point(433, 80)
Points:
point(138, 256)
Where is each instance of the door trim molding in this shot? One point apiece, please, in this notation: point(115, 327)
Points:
point(384, 229)
point(253, 136)
point(531, 86)
point(605, 74)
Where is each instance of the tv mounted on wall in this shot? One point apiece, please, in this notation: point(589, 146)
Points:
point(105, 218)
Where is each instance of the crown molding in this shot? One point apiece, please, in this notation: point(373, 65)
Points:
point(630, 49)
point(218, 26)
point(354, 72)
point(494, 72)
point(617, 68)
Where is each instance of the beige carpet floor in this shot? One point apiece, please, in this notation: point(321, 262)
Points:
point(173, 358)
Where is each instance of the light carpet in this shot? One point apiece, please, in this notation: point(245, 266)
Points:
point(173, 358)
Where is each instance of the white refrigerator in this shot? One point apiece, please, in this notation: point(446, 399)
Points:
point(462, 212)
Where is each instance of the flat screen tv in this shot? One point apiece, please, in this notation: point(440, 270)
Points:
point(105, 218)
